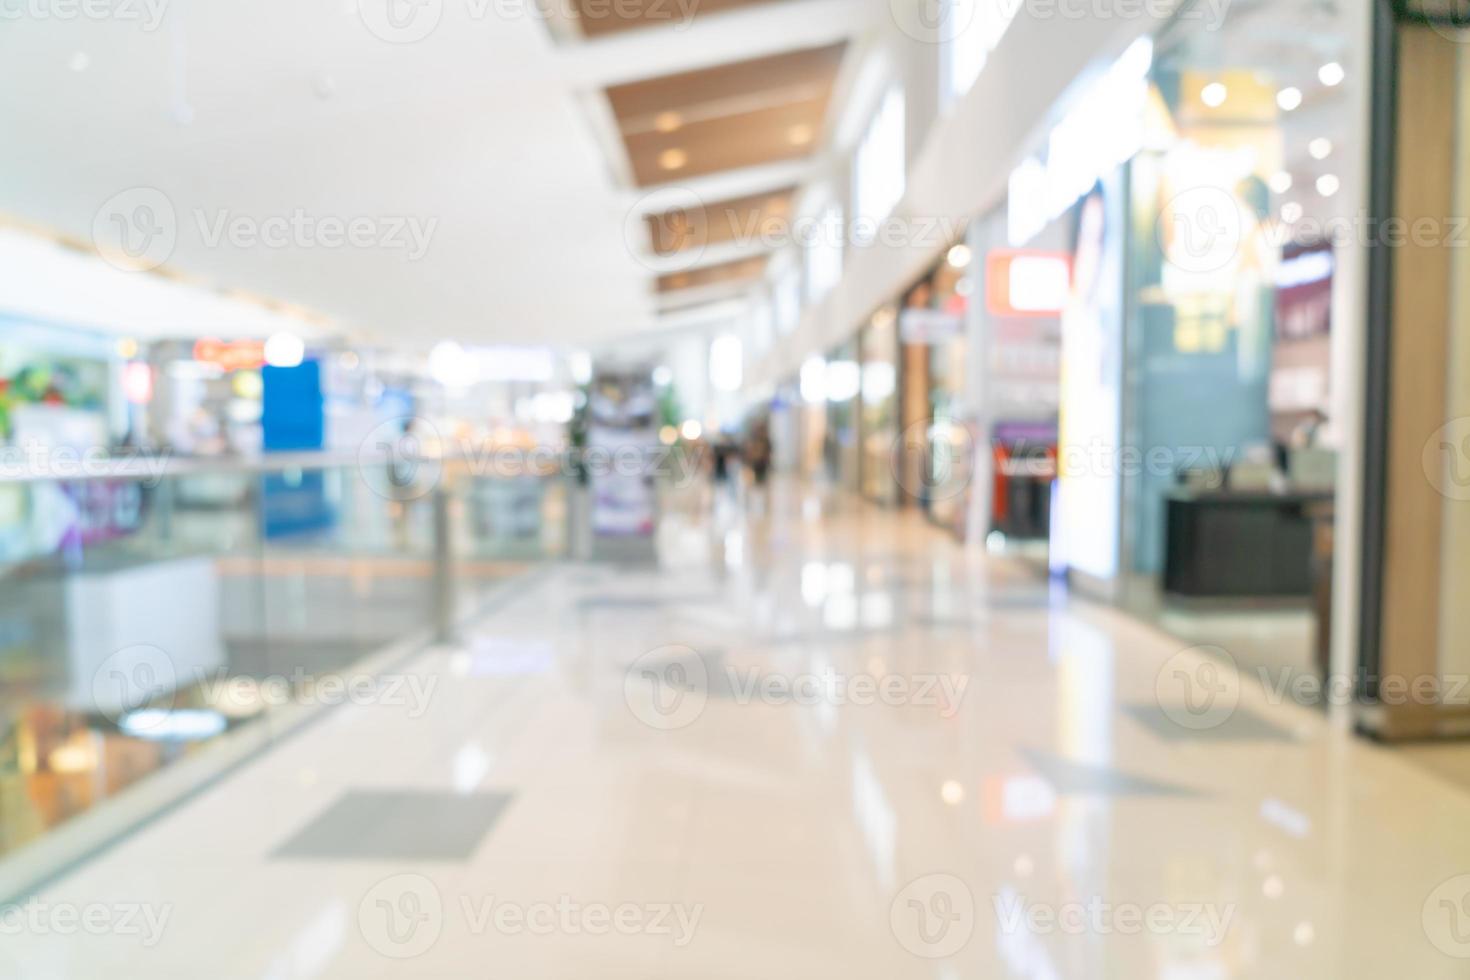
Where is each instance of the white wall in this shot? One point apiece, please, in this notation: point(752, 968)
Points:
point(960, 160)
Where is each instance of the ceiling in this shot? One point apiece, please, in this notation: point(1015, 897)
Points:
point(516, 151)
point(745, 114)
point(699, 225)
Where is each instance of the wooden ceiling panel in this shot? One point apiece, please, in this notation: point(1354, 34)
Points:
point(718, 223)
point(739, 115)
point(739, 271)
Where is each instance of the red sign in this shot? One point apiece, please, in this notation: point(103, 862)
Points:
point(234, 355)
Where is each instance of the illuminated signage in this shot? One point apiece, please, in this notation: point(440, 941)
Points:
point(1027, 284)
point(236, 355)
point(924, 326)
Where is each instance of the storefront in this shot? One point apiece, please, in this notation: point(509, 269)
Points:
point(933, 454)
point(842, 448)
point(880, 431)
point(1195, 205)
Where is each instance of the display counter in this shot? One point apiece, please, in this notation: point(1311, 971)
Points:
point(1241, 544)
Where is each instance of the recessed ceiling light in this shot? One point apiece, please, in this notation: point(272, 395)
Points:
point(1291, 212)
point(1214, 95)
point(1327, 185)
point(1331, 74)
point(667, 122)
point(673, 159)
point(1289, 98)
point(959, 256)
point(1281, 182)
point(799, 135)
point(1320, 148)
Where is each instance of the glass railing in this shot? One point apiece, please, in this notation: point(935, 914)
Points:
point(161, 620)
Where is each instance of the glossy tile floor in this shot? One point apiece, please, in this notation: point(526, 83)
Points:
point(826, 743)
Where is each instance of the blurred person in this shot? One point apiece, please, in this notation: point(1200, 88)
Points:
point(758, 457)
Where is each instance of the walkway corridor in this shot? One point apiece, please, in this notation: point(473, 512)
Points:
point(823, 744)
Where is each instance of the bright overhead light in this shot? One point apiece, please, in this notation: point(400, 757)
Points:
point(1281, 182)
point(1214, 95)
point(1291, 212)
point(674, 159)
point(667, 122)
point(285, 350)
point(691, 430)
point(451, 365)
point(1289, 98)
point(726, 363)
point(1327, 185)
point(799, 135)
point(1331, 74)
point(814, 380)
point(959, 256)
point(1320, 148)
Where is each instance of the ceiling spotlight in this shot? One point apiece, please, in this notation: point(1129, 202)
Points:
point(1331, 74)
point(1291, 212)
point(1289, 98)
point(667, 122)
point(1281, 182)
point(959, 256)
point(799, 135)
point(1214, 95)
point(1320, 148)
point(1327, 185)
point(674, 159)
